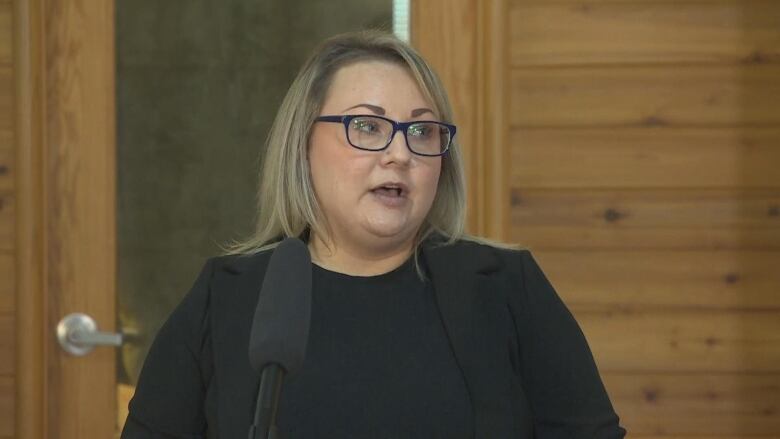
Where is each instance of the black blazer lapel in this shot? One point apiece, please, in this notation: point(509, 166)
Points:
point(469, 298)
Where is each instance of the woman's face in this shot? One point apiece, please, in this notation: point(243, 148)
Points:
point(351, 185)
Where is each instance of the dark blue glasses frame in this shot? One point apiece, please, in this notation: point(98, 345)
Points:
point(397, 126)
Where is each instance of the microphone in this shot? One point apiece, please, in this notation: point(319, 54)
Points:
point(280, 329)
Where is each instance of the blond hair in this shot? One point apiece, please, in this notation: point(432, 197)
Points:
point(287, 206)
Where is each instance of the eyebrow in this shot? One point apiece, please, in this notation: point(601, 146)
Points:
point(381, 111)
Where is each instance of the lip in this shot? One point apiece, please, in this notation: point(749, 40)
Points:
point(393, 184)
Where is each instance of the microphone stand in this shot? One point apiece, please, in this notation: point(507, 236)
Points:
point(264, 424)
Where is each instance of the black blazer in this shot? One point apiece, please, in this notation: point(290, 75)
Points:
point(525, 361)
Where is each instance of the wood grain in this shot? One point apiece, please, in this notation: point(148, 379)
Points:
point(492, 128)
point(677, 238)
point(713, 405)
point(124, 394)
point(678, 95)
point(28, 126)
point(683, 219)
point(732, 208)
point(6, 107)
point(642, 280)
point(734, 157)
point(7, 173)
point(6, 36)
point(80, 190)
point(643, 169)
point(576, 33)
point(7, 343)
point(7, 223)
point(474, 70)
point(7, 406)
point(644, 341)
point(7, 284)
point(455, 61)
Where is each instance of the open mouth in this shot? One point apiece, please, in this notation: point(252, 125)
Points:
point(389, 190)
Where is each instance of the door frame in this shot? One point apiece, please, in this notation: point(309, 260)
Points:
point(66, 213)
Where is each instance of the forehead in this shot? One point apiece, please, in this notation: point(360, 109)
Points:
point(386, 84)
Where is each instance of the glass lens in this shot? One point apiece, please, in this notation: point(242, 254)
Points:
point(428, 138)
point(369, 132)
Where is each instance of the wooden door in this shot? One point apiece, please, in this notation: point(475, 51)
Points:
point(65, 196)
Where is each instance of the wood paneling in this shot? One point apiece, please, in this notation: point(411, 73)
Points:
point(7, 222)
point(680, 95)
point(555, 33)
point(646, 219)
point(643, 280)
point(644, 150)
point(644, 341)
point(677, 238)
point(6, 105)
point(702, 403)
point(6, 85)
point(7, 284)
point(7, 407)
point(7, 342)
point(7, 230)
point(6, 32)
point(748, 208)
point(735, 157)
point(6, 170)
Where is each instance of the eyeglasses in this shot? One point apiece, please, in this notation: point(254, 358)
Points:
point(374, 133)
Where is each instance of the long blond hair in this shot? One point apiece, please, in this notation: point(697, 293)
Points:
point(286, 203)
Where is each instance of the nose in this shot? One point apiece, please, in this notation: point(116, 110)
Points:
point(397, 151)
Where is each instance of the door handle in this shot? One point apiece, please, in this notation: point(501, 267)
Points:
point(78, 335)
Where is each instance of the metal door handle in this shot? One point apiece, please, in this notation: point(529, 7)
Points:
point(78, 335)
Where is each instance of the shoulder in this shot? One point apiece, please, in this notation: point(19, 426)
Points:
point(220, 274)
point(238, 264)
point(482, 254)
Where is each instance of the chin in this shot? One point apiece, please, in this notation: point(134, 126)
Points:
point(390, 230)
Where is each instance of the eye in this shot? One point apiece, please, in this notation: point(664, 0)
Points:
point(420, 130)
point(365, 126)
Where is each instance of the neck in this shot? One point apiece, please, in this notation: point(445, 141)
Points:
point(358, 261)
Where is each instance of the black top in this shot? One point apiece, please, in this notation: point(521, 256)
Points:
point(507, 338)
point(378, 363)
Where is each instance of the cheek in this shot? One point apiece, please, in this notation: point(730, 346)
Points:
point(336, 173)
point(429, 179)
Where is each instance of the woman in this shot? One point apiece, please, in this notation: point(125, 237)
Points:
point(417, 329)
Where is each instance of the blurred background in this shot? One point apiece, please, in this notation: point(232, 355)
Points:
point(633, 146)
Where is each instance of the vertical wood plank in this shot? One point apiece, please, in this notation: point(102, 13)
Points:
point(444, 31)
point(29, 128)
point(465, 42)
point(80, 216)
point(7, 407)
point(491, 179)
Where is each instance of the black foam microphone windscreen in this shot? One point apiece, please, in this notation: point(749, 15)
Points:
point(280, 329)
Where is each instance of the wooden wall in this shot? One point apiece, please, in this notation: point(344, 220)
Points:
point(7, 227)
point(637, 149)
point(645, 147)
